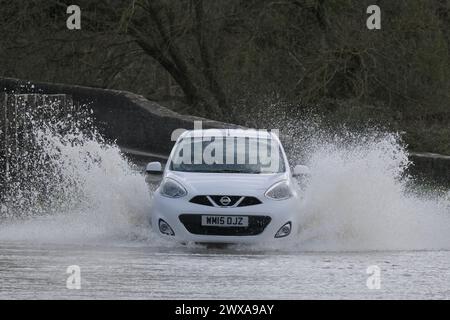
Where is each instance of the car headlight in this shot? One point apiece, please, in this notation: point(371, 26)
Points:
point(164, 228)
point(284, 231)
point(279, 191)
point(172, 189)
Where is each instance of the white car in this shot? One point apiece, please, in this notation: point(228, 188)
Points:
point(226, 186)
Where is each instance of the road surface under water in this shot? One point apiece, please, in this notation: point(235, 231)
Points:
point(357, 212)
point(138, 271)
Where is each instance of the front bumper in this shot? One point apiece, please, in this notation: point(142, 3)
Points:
point(265, 220)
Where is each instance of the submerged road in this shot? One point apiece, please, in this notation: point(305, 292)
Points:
point(129, 264)
point(137, 271)
point(364, 195)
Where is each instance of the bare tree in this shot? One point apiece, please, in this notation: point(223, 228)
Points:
point(175, 35)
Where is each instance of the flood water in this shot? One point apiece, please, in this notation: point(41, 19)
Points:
point(86, 205)
point(132, 271)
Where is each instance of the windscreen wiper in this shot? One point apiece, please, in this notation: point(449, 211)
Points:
point(236, 171)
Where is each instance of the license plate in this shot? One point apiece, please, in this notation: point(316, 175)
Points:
point(225, 221)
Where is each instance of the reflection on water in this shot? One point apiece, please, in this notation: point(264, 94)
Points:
point(133, 271)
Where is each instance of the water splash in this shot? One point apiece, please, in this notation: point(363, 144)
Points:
point(360, 197)
point(81, 188)
point(357, 198)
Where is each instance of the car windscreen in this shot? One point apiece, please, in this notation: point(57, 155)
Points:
point(228, 155)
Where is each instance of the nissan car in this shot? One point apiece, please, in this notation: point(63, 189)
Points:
point(226, 186)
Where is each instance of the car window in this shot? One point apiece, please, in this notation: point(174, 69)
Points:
point(228, 155)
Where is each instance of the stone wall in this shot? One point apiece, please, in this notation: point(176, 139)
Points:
point(432, 167)
point(128, 118)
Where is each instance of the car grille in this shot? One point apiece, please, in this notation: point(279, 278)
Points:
point(235, 201)
point(193, 224)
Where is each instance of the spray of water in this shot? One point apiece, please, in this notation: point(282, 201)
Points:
point(357, 198)
point(79, 188)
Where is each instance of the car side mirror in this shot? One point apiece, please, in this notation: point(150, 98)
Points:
point(300, 170)
point(154, 168)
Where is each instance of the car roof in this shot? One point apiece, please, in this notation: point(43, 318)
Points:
point(250, 133)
